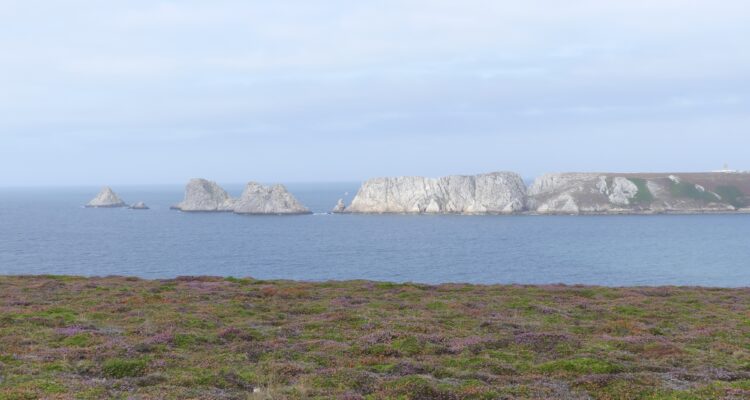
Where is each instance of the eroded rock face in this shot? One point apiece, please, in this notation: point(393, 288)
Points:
point(106, 199)
point(594, 193)
point(494, 193)
point(205, 195)
point(340, 207)
point(259, 199)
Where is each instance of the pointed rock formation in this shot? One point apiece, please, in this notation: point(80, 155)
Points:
point(204, 195)
point(139, 206)
point(259, 199)
point(493, 193)
point(106, 199)
point(340, 207)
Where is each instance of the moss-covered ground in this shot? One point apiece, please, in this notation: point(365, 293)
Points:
point(216, 338)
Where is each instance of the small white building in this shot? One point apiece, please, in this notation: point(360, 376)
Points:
point(726, 170)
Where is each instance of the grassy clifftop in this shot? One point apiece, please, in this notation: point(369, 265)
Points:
point(205, 338)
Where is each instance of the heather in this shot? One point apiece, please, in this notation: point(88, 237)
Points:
point(225, 338)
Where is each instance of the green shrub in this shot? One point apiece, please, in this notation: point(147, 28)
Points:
point(644, 195)
point(732, 195)
point(687, 189)
point(418, 387)
point(79, 340)
point(122, 368)
point(409, 346)
point(580, 366)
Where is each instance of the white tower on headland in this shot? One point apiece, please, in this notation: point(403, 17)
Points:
point(726, 170)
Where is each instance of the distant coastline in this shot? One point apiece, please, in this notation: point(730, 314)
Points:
point(556, 194)
point(495, 193)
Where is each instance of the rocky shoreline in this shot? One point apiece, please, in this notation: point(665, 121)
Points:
point(556, 194)
point(496, 193)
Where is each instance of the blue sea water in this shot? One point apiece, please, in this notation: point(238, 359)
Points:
point(46, 231)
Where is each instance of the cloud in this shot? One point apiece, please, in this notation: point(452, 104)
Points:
point(355, 74)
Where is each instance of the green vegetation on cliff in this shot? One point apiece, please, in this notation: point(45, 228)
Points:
point(644, 195)
point(732, 195)
point(690, 191)
point(215, 338)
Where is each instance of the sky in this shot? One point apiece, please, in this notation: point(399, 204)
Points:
point(150, 92)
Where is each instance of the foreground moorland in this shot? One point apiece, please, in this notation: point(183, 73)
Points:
point(206, 338)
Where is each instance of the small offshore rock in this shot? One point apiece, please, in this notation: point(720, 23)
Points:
point(340, 207)
point(139, 206)
point(106, 199)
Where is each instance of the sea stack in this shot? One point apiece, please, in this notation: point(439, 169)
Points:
point(204, 195)
point(264, 200)
point(340, 207)
point(106, 199)
point(493, 193)
point(139, 206)
point(639, 193)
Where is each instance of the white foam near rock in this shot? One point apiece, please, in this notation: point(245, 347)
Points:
point(493, 193)
point(106, 199)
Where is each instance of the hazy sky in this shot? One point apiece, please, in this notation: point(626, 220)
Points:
point(119, 92)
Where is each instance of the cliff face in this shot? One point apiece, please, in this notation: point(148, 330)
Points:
point(106, 199)
point(207, 196)
point(561, 193)
point(204, 195)
point(594, 193)
point(259, 199)
point(494, 193)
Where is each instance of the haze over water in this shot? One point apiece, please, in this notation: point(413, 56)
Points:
point(46, 231)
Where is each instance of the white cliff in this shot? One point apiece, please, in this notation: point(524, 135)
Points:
point(106, 199)
point(259, 199)
point(607, 193)
point(493, 193)
point(204, 195)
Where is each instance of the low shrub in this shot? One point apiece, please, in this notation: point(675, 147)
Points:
point(123, 368)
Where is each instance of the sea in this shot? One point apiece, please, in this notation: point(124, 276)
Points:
point(48, 231)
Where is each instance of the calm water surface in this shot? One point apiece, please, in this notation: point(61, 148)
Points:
point(46, 231)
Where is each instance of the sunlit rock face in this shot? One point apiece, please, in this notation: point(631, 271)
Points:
point(106, 199)
point(340, 207)
point(493, 193)
point(202, 195)
point(259, 199)
point(611, 193)
point(206, 196)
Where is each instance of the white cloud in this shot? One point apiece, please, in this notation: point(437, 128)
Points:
point(158, 71)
